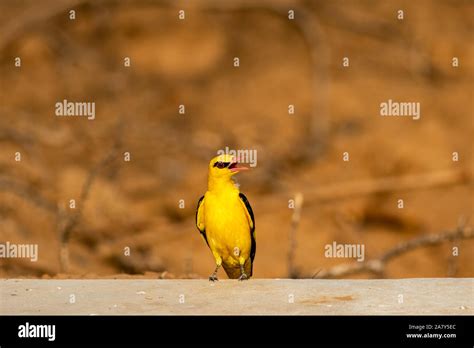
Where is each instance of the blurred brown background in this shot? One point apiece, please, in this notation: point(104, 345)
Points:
point(135, 204)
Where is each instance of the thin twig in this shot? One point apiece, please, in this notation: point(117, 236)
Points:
point(12, 135)
point(453, 259)
point(27, 193)
point(67, 225)
point(377, 266)
point(295, 221)
point(35, 14)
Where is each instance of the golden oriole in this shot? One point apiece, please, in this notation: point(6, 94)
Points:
point(226, 222)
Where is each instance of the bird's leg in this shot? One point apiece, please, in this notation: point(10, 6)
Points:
point(243, 276)
point(213, 276)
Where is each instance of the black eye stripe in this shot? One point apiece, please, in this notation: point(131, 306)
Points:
point(221, 165)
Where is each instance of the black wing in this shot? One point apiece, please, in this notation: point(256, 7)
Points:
point(202, 231)
point(253, 247)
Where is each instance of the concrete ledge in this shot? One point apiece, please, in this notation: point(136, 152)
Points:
point(256, 296)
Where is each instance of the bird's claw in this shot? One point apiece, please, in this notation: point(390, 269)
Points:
point(213, 278)
point(243, 277)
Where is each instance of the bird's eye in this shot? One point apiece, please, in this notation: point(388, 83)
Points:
point(221, 165)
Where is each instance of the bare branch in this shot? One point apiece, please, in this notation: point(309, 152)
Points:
point(453, 263)
point(295, 220)
point(67, 225)
point(377, 266)
point(27, 193)
point(12, 135)
point(37, 14)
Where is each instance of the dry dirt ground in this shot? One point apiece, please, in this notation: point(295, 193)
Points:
point(136, 204)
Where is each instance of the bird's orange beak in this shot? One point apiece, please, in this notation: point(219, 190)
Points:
point(235, 167)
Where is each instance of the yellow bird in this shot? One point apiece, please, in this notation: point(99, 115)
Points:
point(226, 222)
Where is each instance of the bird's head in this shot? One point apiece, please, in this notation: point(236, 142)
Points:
point(224, 167)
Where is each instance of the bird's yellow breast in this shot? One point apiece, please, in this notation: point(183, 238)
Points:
point(227, 226)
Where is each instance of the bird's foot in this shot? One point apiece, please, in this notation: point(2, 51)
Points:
point(243, 277)
point(213, 277)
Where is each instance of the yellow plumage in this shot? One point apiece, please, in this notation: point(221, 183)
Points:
point(225, 219)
